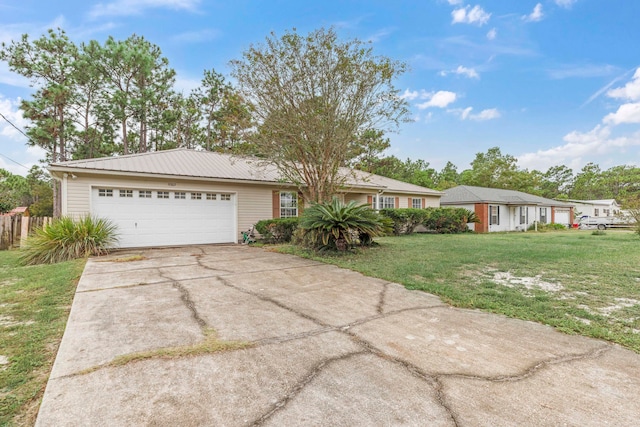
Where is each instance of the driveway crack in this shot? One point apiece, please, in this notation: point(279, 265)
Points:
point(274, 302)
point(381, 301)
point(300, 385)
point(188, 302)
point(535, 368)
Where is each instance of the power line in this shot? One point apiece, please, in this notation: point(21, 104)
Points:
point(10, 159)
point(19, 130)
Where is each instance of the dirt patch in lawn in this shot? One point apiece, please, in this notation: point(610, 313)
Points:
point(507, 279)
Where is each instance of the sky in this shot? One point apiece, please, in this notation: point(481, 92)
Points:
point(550, 82)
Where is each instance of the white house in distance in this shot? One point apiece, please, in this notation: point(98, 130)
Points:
point(506, 210)
point(181, 197)
point(595, 208)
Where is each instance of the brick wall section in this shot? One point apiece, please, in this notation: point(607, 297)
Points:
point(571, 215)
point(482, 212)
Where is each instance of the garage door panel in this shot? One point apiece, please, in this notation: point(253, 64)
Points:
point(174, 221)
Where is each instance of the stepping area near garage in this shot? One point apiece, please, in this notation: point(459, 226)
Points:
point(312, 344)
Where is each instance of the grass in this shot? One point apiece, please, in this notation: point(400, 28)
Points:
point(34, 307)
point(575, 281)
point(211, 344)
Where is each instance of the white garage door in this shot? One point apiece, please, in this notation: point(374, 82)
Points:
point(562, 216)
point(162, 218)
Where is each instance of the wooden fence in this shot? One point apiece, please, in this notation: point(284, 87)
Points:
point(15, 229)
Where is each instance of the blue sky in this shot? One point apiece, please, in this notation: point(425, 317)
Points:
point(551, 82)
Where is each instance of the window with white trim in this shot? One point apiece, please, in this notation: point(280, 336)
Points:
point(196, 196)
point(126, 193)
point(543, 215)
point(416, 203)
point(144, 194)
point(179, 195)
point(596, 212)
point(523, 214)
point(386, 202)
point(212, 196)
point(225, 197)
point(494, 215)
point(288, 204)
point(163, 194)
point(105, 192)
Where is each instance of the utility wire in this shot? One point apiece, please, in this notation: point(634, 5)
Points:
point(19, 130)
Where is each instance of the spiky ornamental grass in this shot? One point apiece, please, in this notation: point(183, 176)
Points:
point(335, 225)
point(67, 239)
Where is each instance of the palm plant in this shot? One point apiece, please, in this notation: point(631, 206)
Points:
point(66, 239)
point(335, 225)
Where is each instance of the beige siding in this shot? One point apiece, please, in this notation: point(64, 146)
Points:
point(253, 201)
point(432, 201)
point(357, 197)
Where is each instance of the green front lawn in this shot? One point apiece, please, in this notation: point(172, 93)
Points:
point(34, 307)
point(573, 280)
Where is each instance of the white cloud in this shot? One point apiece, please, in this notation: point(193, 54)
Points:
point(489, 114)
point(469, 15)
point(596, 142)
point(185, 84)
point(12, 79)
point(13, 142)
point(9, 109)
point(462, 71)
point(630, 91)
point(455, 2)
point(380, 35)
point(492, 34)
point(466, 114)
point(536, 15)
point(467, 72)
point(137, 7)
point(565, 3)
point(599, 141)
point(627, 113)
point(439, 99)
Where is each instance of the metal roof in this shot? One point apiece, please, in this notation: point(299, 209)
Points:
point(470, 194)
point(186, 163)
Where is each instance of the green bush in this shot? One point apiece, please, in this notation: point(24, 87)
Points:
point(277, 230)
point(66, 239)
point(547, 227)
point(449, 220)
point(336, 226)
point(405, 220)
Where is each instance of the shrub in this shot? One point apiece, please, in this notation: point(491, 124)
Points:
point(277, 230)
point(449, 220)
point(334, 225)
point(547, 227)
point(66, 239)
point(405, 220)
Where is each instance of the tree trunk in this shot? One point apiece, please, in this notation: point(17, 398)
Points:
point(125, 144)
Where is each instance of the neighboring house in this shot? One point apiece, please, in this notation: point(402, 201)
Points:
point(596, 208)
point(506, 210)
point(181, 196)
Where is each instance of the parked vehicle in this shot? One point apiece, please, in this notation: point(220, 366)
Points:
point(604, 222)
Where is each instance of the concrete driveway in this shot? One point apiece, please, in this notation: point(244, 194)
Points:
point(305, 343)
